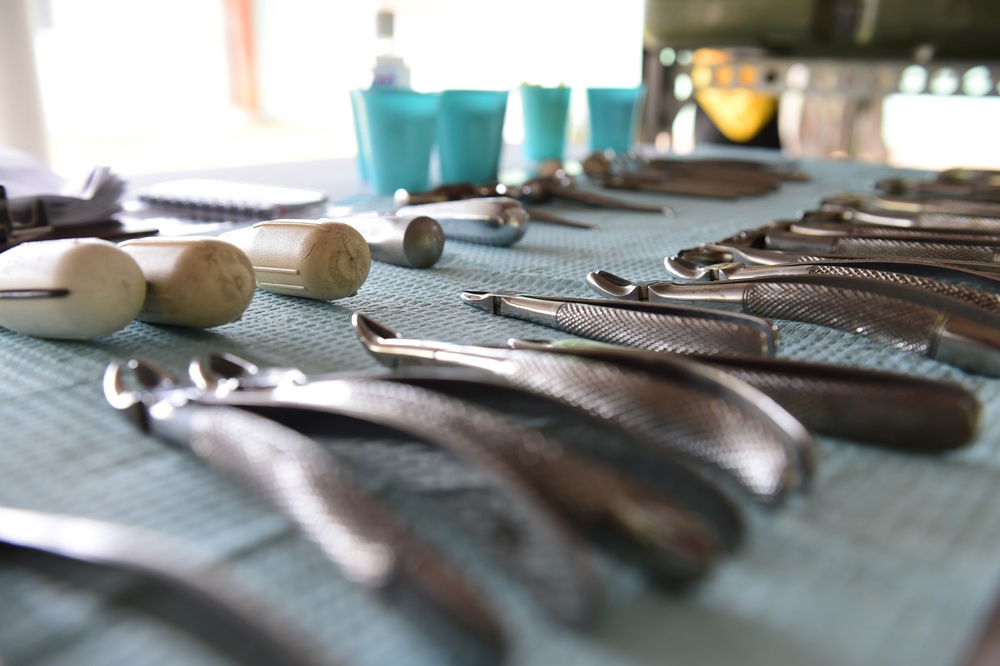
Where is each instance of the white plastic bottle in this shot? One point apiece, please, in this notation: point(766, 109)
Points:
point(390, 70)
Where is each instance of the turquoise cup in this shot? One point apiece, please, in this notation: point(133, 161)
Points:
point(395, 137)
point(614, 117)
point(362, 160)
point(470, 135)
point(546, 112)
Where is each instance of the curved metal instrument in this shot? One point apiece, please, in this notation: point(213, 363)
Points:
point(638, 522)
point(907, 318)
point(680, 329)
point(715, 253)
point(704, 417)
point(353, 530)
point(155, 556)
point(886, 409)
point(986, 299)
point(687, 270)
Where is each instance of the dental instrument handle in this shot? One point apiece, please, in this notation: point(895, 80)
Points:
point(413, 241)
point(310, 488)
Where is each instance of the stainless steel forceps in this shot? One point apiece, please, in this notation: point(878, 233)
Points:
point(640, 523)
point(703, 418)
point(721, 253)
point(210, 584)
point(907, 318)
point(691, 271)
point(657, 326)
point(353, 530)
point(985, 295)
point(896, 411)
point(915, 211)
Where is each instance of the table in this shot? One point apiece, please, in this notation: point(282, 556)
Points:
point(886, 558)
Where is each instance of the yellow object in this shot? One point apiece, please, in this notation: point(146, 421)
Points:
point(740, 114)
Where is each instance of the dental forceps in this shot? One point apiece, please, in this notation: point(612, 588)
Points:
point(686, 262)
point(537, 190)
point(656, 326)
point(704, 418)
point(907, 318)
point(643, 525)
point(711, 178)
point(896, 411)
point(896, 210)
point(822, 223)
point(691, 271)
point(941, 248)
point(154, 556)
point(308, 485)
point(957, 187)
point(985, 297)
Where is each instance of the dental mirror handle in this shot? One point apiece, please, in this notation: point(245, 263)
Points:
point(413, 241)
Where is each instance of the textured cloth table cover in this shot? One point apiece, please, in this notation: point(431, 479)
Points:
point(886, 558)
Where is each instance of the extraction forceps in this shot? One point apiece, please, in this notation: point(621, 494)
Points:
point(779, 237)
point(907, 318)
point(892, 410)
point(896, 210)
point(712, 178)
point(691, 271)
point(934, 279)
point(543, 550)
point(703, 421)
point(718, 254)
point(954, 188)
point(655, 326)
point(176, 566)
point(821, 223)
point(353, 530)
point(637, 522)
point(537, 190)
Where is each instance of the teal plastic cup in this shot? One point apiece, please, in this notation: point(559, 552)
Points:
point(470, 135)
point(395, 137)
point(362, 160)
point(546, 112)
point(614, 117)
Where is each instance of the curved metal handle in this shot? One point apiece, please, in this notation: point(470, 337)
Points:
point(352, 530)
point(678, 333)
point(653, 529)
point(150, 554)
point(892, 410)
point(908, 326)
point(718, 429)
point(879, 247)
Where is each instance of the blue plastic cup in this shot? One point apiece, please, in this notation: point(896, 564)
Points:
point(362, 160)
point(396, 135)
point(546, 112)
point(470, 135)
point(614, 117)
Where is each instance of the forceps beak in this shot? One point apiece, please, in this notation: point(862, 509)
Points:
point(130, 388)
point(490, 301)
point(691, 271)
point(146, 376)
point(685, 269)
point(604, 282)
point(371, 331)
point(484, 300)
